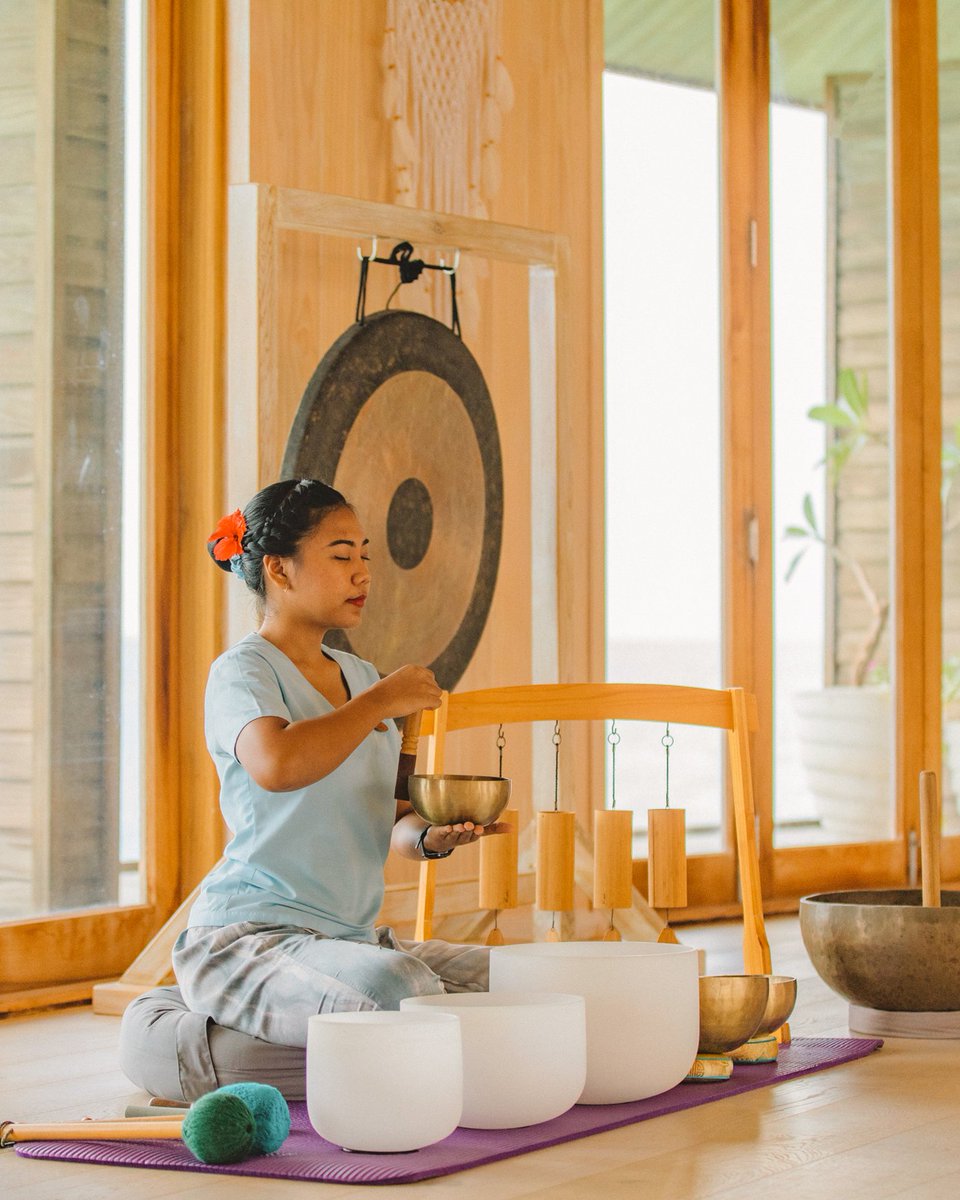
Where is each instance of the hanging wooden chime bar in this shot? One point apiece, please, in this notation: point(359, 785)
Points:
point(612, 850)
point(498, 865)
point(498, 873)
point(667, 848)
point(555, 852)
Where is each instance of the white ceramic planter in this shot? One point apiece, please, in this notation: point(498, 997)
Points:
point(384, 1081)
point(845, 741)
point(642, 1008)
point(951, 772)
point(524, 1054)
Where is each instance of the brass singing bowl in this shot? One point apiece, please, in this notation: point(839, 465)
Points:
point(731, 1009)
point(780, 1004)
point(452, 799)
point(883, 949)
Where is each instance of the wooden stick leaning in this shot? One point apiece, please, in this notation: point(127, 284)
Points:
point(930, 839)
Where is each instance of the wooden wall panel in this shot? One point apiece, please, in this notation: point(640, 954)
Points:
point(306, 112)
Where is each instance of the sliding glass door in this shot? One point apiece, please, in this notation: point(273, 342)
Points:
point(823, 442)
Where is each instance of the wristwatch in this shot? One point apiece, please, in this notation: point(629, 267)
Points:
point(424, 852)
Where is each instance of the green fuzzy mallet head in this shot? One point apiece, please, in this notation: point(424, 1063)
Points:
point(219, 1128)
point(271, 1114)
point(235, 1122)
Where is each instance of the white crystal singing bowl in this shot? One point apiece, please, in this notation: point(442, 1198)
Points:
point(642, 1007)
point(384, 1082)
point(524, 1054)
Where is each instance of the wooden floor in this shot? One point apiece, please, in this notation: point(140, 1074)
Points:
point(885, 1126)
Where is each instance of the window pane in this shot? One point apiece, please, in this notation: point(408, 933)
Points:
point(663, 456)
point(63, 412)
point(828, 130)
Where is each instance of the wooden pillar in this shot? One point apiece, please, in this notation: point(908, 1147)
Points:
point(744, 77)
point(915, 394)
point(185, 430)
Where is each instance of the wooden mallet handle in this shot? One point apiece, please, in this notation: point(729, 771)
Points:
point(409, 740)
point(930, 839)
point(80, 1131)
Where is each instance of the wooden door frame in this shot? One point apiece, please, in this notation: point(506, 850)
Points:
point(55, 958)
point(743, 32)
point(916, 421)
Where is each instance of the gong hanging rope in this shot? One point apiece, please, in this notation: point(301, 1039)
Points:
point(410, 269)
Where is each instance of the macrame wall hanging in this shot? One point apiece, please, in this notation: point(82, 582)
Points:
point(445, 92)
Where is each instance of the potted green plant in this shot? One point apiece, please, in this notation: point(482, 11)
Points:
point(844, 727)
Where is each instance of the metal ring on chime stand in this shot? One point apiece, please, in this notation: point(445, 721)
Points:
point(498, 863)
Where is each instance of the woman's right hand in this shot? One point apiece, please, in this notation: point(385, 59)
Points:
point(407, 690)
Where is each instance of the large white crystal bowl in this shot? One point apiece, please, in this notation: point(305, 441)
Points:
point(524, 1054)
point(642, 1008)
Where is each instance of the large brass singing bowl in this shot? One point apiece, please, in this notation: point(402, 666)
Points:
point(780, 1004)
point(731, 1009)
point(883, 949)
point(451, 799)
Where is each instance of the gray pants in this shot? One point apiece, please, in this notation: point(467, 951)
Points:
point(267, 980)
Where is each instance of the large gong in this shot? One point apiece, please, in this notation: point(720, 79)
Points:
point(398, 418)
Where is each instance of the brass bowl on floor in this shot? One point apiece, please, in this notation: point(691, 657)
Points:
point(882, 949)
point(731, 1009)
point(781, 1000)
point(452, 799)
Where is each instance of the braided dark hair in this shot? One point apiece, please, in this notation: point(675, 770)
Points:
point(278, 518)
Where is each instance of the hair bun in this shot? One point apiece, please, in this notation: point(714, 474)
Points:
point(222, 563)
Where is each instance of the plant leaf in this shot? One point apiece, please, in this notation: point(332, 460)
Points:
point(793, 564)
point(832, 414)
point(809, 514)
point(853, 390)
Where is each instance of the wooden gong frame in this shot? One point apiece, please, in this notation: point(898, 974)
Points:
point(257, 213)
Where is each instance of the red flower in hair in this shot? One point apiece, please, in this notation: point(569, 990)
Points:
point(228, 536)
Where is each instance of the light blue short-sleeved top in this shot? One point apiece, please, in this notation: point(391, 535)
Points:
point(312, 857)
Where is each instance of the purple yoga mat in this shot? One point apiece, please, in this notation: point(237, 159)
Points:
point(305, 1155)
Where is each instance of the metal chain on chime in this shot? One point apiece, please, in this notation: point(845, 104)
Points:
point(666, 742)
point(556, 766)
point(613, 737)
point(501, 742)
point(557, 739)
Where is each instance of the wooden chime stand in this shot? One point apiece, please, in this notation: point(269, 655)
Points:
point(612, 859)
point(556, 855)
